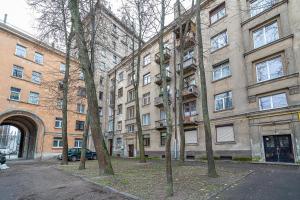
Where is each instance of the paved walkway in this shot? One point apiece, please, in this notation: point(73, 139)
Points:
point(42, 181)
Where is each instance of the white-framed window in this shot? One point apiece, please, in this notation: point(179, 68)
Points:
point(17, 71)
point(36, 77)
point(120, 109)
point(273, 101)
point(121, 76)
point(130, 95)
point(269, 69)
point(59, 103)
point(130, 128)
point(80, 108)
point(110, 125)
point(163, 115)
point(189, 54)
point(147, 59)
point(146, 139)
point(258, 6)
point(147, 79)
point(265, 34)
point(38, 58)
point(146, 119)
point(57, 142)
point(225, 133)
point(219, 41)
point(34, 98)
point(119, 125)
point(81, 76)
point(221, 71)
point(58, 122)
point(190, 108)
point(130, 112)
point(191, 136)
point(15, 94)
point(130, 78)
point(62, 68)
point(21, 51)
point(218, 13)
point(146, 98)
point(223, 101)
point(77, 143)
point(119, 142)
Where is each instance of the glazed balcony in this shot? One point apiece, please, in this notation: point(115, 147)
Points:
point(188, 65)
point(158, 78)
point(161, 124)
point(190, 91)
point(167, 55)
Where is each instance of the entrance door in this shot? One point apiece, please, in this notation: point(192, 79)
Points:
point(130, 150)
point(110, 146)
point(278, 148)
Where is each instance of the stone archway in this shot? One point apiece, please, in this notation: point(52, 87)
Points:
point(32, 130)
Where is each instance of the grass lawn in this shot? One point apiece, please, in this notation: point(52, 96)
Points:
point(147, 181)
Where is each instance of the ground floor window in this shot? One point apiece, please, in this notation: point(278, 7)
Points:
point(146, 139)
point(57, 142)
point(225, 133)
point(163, 137)
point(78, 143)
point(119, 142)
point(191, 136)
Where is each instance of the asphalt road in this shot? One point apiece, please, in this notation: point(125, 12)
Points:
point(42, 181)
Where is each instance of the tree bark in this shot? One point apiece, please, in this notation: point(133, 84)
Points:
point(84, 142)
point(105, 167)
point(206, 120)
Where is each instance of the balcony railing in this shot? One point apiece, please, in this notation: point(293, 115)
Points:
point(159, 101)
point(188, 65)
point(190, 120)
point(167, 55)
point(161, 124)
point(190, 91)
point(158, 78)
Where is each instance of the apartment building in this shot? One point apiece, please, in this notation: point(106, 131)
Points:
point(252, 64)
point(30, 94)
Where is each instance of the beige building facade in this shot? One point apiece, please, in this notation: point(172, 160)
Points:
point(252, 64)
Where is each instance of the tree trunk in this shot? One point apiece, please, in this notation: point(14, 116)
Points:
point(84, 142)
point(208, 141)
point(105, 167)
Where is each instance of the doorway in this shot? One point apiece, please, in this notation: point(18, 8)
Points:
point(130, 150)
point(278, 148)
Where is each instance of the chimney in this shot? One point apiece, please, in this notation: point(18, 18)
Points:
point(5, 18)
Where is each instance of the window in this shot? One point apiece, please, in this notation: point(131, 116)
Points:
point(130, 112)
point(120, 109)
point(266, 35)
point(114, 44)
point(146, 119)
point(38, 58)
point(130, 128)
point(61, 85)
point(217, 13)
point(186, 56)
point(100, 111)
point(57, 142)
point(258, 6)
point(119, 142)
point(146, 99)
point(34, 98)
point(79, 125)
point(119, 126)
point(100, 95)
point(62, 68)
point(110, 125)
point(81, 76)
point(101, 80)
point(163, 115)
point(225, 133)
point(81, 92)
point(269, 69)
point(146, 139)
point(17, 71)
point(273, 101)
point(80, 108)
point(15, 94)
point(219, 41)
point(58, 122)
point(223, 101)
point(36, 77)
point(130, 95)
point(77, 143)
point(147, 59)
point(20, 51)
point(131, 78)
point(59, 103)
point(147, 79)
point(115, 59)
point(163, 137)
point(120, 92)
point(191, 136)
point(221, 71)
point(190, 108)
point(121, 76)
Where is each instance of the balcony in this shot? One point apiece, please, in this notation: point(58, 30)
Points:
point(161, 124)
point(159, 102)
point(167, 55)
point(190, 120)
point(188, 65)
point(190, 91)
point(189, 41)
point(158, 78)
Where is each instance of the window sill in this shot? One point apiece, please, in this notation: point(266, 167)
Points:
point(216, 22)
point(58, 127)
point(57, 148)
point(214, 81)
point(229, 142)
point(23, 102)
point(22, 79)
point(216, 50)
point(191, 144)
point(228, 109)
point(41, 64)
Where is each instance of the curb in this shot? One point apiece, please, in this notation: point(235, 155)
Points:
point(277, 164)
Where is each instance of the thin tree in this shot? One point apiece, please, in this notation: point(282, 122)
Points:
point(105, 167)
point(206, 120)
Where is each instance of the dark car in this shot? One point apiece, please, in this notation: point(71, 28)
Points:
point(75, 153)
point(2, 158)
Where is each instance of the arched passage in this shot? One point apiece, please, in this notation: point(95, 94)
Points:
point(31, 128)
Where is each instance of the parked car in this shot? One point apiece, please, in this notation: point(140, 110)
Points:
point(75, 153)
point(2, 158)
